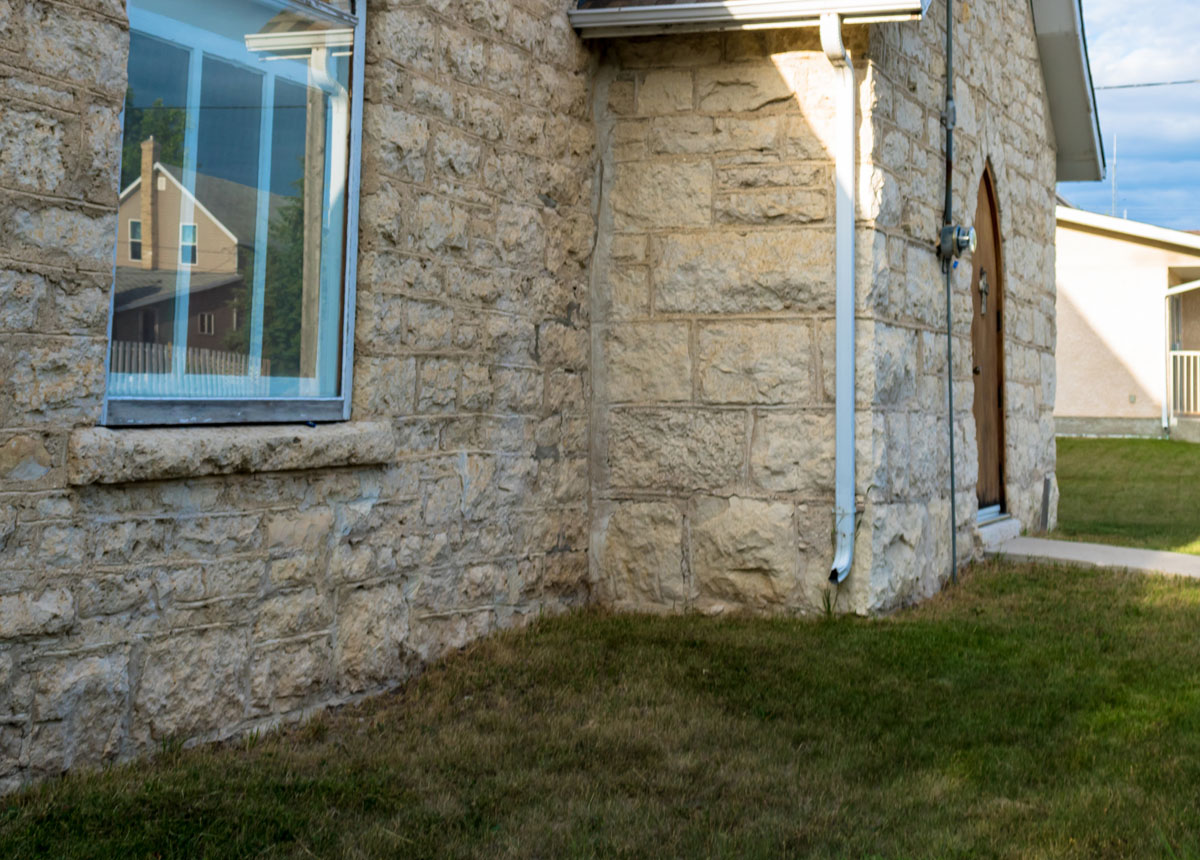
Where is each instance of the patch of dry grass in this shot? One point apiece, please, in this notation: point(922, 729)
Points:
point(1031, 711)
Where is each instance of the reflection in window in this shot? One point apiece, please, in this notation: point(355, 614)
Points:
point(187, 244)
point(135, 241)
point(233, 186)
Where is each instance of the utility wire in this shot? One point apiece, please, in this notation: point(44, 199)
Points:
point(1149, 84)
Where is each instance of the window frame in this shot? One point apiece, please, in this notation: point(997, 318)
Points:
point(133, 411)
point(132, 240)
point(194, 244)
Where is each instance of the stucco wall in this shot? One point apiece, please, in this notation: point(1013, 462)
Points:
point(1111, 324)
point(169, 606)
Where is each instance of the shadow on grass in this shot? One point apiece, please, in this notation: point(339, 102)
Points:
point(1031, 711)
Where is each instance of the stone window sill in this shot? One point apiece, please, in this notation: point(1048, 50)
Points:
point(99, 455)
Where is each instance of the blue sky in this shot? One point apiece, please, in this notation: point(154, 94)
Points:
point(1155, 132)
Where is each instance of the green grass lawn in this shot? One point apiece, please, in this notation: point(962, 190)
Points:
point(1132, 492)
point(1029, 712)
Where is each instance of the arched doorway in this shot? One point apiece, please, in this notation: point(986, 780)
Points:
point(987, 343)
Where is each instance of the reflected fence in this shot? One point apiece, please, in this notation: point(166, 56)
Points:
point(147, 369)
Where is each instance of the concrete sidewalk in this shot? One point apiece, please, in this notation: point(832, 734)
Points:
point(1098, 555)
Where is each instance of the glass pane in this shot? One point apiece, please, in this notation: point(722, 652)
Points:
point(234, 167)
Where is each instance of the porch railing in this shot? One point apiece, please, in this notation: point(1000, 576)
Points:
point(1185, 382)
point(146, 369)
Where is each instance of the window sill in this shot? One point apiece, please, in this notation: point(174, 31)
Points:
point(98, 455)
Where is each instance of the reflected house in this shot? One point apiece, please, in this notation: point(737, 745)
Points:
point(156, 245)
point(1128, 311)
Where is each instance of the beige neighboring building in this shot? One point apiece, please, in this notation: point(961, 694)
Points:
point(1128, 305)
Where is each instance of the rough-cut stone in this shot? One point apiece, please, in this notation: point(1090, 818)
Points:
point(740, 272)
point(744, 553)
point(372, 626)
point(639, 554)
point(794, 452)
point(661, 195)
point(741, 87)
point(86, 697)
point(115, 456)
point(192, 684)
point(660, 448)
point(755, 362)
point(36, 613)
point(649, 362)
point(665, 91)
point(24, 458)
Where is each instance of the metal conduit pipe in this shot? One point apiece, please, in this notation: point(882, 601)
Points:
point(847, 97)
point(950, 119)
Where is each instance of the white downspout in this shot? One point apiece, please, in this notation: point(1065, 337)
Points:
point(844, 510)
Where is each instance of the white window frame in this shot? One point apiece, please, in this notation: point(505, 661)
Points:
point(121, 410)
point(130, 224)
point(194, 244)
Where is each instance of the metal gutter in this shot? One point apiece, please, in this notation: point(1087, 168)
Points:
point(844, 170)
point(615, 21)
point(1133, 230)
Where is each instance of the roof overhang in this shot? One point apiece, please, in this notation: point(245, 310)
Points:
point(1062, 45)
point(1133, 231)
point(639, 20)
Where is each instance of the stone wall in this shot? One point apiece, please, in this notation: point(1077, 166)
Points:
point(191, 583)
point(713, 300)
point(1003, 121)
point(712, 309)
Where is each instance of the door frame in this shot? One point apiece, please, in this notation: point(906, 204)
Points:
point(998, 294)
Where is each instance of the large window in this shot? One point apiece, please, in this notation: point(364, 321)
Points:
point(239, 194)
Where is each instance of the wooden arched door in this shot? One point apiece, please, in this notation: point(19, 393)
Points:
point(987, 342)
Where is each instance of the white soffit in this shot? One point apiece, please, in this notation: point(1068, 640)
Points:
point(1132, 230)
point(600, 21)
point(1062, 45)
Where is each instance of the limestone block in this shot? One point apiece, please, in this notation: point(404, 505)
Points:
point(299, 531)
point(740, 87)
point(97, 454)
point(86, 696)
point(744, 553)
point(71, 233)
point(192, 683)
point(895, 364)
point(740, 272)
point(805, 175)
point(384, 386)
point(36, 613)
point(405, 36)
point(20, 294)
point(639, 554)
point(291, 613)
point(679, 448)
point(109, 595)
point(648, 362)
point(463, 55)
point(755, 362)
point(794, 452)
point(51, 380)
point(284, 673)
point(33, 154)
point(372, 626)
point(24, 458)
point(659, 195)
point(771, 207)
point(398, 139)
point(71, 44)
point(665, 91)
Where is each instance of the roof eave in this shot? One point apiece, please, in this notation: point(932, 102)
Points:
point(615, 21)
point(1132, 230)
point(1062, 45)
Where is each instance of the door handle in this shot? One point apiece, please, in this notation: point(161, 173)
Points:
point(983, 292)
point(977, 370)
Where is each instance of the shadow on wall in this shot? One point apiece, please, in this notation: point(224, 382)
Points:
point(1094, 381)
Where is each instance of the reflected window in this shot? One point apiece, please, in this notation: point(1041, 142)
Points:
point(135, 240)
point(237, 201)
point(187, 244)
